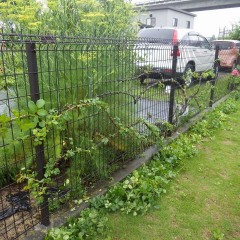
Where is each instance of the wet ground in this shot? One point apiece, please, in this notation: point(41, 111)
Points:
point(153, 110)
point(6, 102)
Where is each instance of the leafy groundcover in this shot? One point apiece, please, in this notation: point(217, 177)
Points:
point(140, 191)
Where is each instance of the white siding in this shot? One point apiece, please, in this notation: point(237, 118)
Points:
point(164, 18)
point(182, 19)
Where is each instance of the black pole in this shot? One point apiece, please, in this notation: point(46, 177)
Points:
point(173, 85)
point(213, 81)
point(35, 95)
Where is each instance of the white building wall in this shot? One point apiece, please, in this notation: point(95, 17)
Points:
point(182, 19)
point(164, 18)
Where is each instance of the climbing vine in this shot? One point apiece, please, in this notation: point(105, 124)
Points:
point(140, 191)
point(37, 122)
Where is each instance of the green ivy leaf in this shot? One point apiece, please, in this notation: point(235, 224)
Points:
point(36, 120)
point(32, 107)
point(105, 141)
point(15, 113)
point(3, 131)
point(42, 124)
point(66, 237)
point(42, 112)
point(26, 125)
point(4, 118)
point(40, 103)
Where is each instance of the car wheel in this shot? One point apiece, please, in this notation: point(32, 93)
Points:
point(142, 78)
point(188, 74)
point(216, 71)
point(234, 65)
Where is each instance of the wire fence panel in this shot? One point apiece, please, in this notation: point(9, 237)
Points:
point(75, 110)
point(228, 77)
point(17, 212)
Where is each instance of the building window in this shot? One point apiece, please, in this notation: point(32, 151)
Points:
point(175, 22)
point(151, 21)
point(188, 24)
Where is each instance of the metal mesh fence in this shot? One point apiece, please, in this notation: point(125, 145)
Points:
point(99, 97)
point(228, 65)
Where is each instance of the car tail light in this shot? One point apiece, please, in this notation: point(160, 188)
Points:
point(175, 37)
point(175, 41)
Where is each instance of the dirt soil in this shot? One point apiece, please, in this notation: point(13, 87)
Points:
point(14, 226)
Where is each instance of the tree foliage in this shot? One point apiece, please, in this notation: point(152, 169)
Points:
point(103, 17)
point(20, 14)
point(235, 33)
point(71, 17)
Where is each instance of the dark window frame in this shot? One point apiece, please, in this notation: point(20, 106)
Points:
point(152, 21)
point(175, 22)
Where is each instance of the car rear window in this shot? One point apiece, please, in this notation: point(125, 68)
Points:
point(224, 45)
point(161, 34)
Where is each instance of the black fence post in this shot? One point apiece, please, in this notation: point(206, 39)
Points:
point(173, 85)
point(35, 95)
point(213, 81)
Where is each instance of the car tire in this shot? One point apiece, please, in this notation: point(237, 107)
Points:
point(188, 74)
point(217, 70)
point(234, 65)
point(142, 78)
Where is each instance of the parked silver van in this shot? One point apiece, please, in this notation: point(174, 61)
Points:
point(154, 52)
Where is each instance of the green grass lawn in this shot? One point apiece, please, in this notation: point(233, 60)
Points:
point(203, 202)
